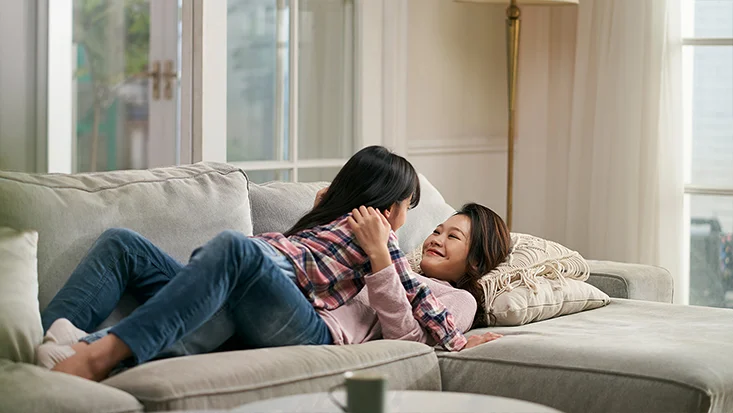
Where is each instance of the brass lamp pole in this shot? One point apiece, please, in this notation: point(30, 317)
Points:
point(513, 25)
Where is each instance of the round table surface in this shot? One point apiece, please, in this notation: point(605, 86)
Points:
point(400, 402)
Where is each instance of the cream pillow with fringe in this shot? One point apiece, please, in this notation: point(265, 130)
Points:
point(548, 299)
point(20, 318)
point(531, 257)
point(540, 279)
point(517, 290)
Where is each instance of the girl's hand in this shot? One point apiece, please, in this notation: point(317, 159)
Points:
point(479, 339)
point(319, 196)
point(372, 230)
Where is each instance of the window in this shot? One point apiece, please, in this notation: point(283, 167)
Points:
point(112, 96)
point(267, 85)
point(289, 110)
point(708, 88)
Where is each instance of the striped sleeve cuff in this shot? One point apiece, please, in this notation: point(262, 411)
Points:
point(455, 342)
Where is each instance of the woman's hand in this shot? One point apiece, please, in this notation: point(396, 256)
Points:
point(479, 339)
point(372, 230)
point(319, 196)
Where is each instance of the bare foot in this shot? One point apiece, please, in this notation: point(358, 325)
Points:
point(96, 360)
point(80, 365)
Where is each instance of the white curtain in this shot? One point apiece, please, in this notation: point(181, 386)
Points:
point(612, 145)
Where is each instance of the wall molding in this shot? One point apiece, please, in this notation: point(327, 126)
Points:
point(457, 146)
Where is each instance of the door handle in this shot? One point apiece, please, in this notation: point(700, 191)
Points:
point(155, 75)
point(170, 76)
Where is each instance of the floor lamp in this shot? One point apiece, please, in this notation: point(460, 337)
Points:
point(513, 15)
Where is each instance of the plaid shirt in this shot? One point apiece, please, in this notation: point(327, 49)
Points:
point(330, 267)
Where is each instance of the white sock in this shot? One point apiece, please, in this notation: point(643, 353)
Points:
point(50, 354)
point(62, 331)
point(57, 342)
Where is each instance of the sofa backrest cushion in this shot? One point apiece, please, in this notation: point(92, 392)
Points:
point(277, 206)
point(177, 208)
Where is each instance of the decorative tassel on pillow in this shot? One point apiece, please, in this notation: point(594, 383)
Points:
point(533, 257)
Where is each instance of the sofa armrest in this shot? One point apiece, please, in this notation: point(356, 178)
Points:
point(632, 281)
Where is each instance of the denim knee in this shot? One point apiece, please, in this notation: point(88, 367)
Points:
point(230, 237)
point(122, 236)
point(233, 242)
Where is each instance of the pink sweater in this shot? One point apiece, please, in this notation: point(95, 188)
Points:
point(381, 310)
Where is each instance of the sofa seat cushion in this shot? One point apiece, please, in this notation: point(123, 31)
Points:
point(228, 379)
point(630, 356)
point(29, 388)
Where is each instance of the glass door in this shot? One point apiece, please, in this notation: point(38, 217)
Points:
point(124, 86)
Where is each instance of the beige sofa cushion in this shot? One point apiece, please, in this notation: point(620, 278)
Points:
point(178, 208)
point(629, 356)
point(548, 299)
point(277, 206)
point(226, 380)
point(20, 320)
point(28, 388)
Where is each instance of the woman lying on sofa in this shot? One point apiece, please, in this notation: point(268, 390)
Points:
point(277, 289)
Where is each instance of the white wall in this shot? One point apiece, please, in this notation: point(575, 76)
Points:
point(456, 99)
point(547, 61)
point(17, 85)
point(457, 105)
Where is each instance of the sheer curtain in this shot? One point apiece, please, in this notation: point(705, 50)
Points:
point(612, 169)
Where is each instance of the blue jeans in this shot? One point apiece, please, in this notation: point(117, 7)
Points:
point(233, 285)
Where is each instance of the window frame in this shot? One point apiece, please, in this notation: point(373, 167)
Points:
point(691, 189)
point(379, 33)
point(379, 75)
point(210, 103)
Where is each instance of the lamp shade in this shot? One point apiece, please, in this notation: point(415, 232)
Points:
point(522, 2)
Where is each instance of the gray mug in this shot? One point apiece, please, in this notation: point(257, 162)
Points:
point(365, 393)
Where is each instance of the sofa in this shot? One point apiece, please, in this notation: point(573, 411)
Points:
point(638, 354)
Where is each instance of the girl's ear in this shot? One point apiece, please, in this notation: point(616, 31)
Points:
point(387, 212)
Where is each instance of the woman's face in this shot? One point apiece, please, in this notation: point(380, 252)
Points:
point(445, 252)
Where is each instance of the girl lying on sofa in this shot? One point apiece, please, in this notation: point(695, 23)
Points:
point(298, 288)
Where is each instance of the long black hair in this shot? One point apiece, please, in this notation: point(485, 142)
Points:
point(373, 177)
point(489, 247)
